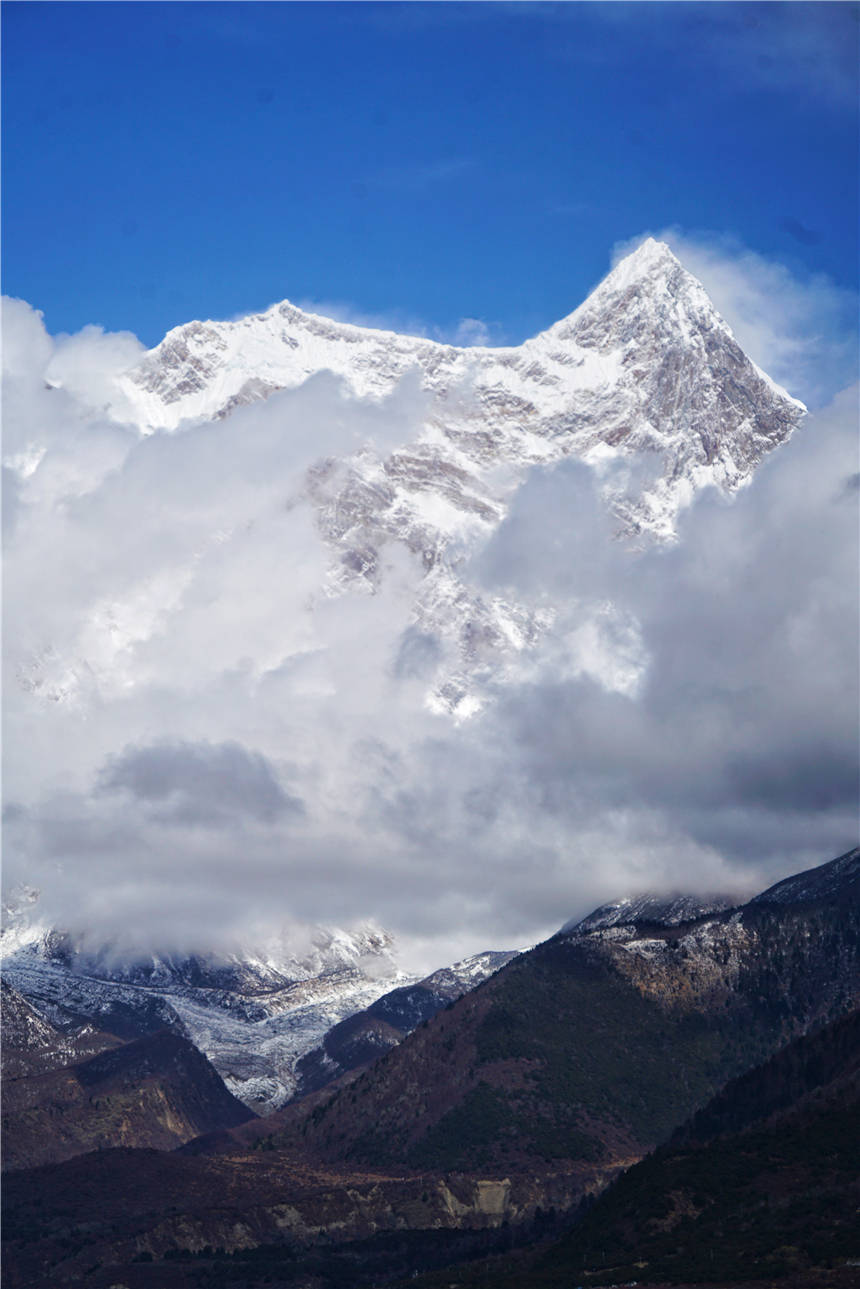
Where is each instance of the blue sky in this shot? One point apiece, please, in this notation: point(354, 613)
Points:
point(419, 162)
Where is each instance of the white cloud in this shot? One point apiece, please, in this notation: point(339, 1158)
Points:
point(172, 659)
point(85, 364)
point(471, 331)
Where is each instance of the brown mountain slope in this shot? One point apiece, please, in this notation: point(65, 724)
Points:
point(760, 1186)
point(154, 1221)
point(130, 1216)
point(359, 1040)
point(591, 1048)
point(157, 1091)
point(151, 1220)
point(546, 1082)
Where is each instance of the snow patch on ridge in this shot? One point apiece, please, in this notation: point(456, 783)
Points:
point(253, 1014)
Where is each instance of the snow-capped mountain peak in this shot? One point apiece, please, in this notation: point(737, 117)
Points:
point(205, 369)
point(645, 368)
point(645, 365)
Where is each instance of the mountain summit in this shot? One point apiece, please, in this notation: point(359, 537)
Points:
point(644, 382)
point(644, 369)
point(645, 365)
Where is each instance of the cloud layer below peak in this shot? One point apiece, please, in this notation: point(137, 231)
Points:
point(202, 744)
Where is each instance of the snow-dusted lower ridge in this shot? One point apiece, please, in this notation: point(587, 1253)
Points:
point(650, 909)
point(842, 877)
point(362, 1038)
point(253, 1015)
point(679, 948)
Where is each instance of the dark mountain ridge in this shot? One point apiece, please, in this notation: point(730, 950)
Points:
point(596, 1044)
point(759, 1185)
point(823, 1062)
point(360, 1039)
point(762, 1181)
point(524, 1097)
point(157, 1091)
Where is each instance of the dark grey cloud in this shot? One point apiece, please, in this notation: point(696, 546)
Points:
point(200, 783)
point(743, 732)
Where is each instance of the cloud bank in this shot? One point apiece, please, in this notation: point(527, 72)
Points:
point(202, 744)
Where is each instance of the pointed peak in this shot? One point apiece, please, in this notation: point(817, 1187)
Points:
point(650, 251)
point(649, 259)
point(651, 270)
